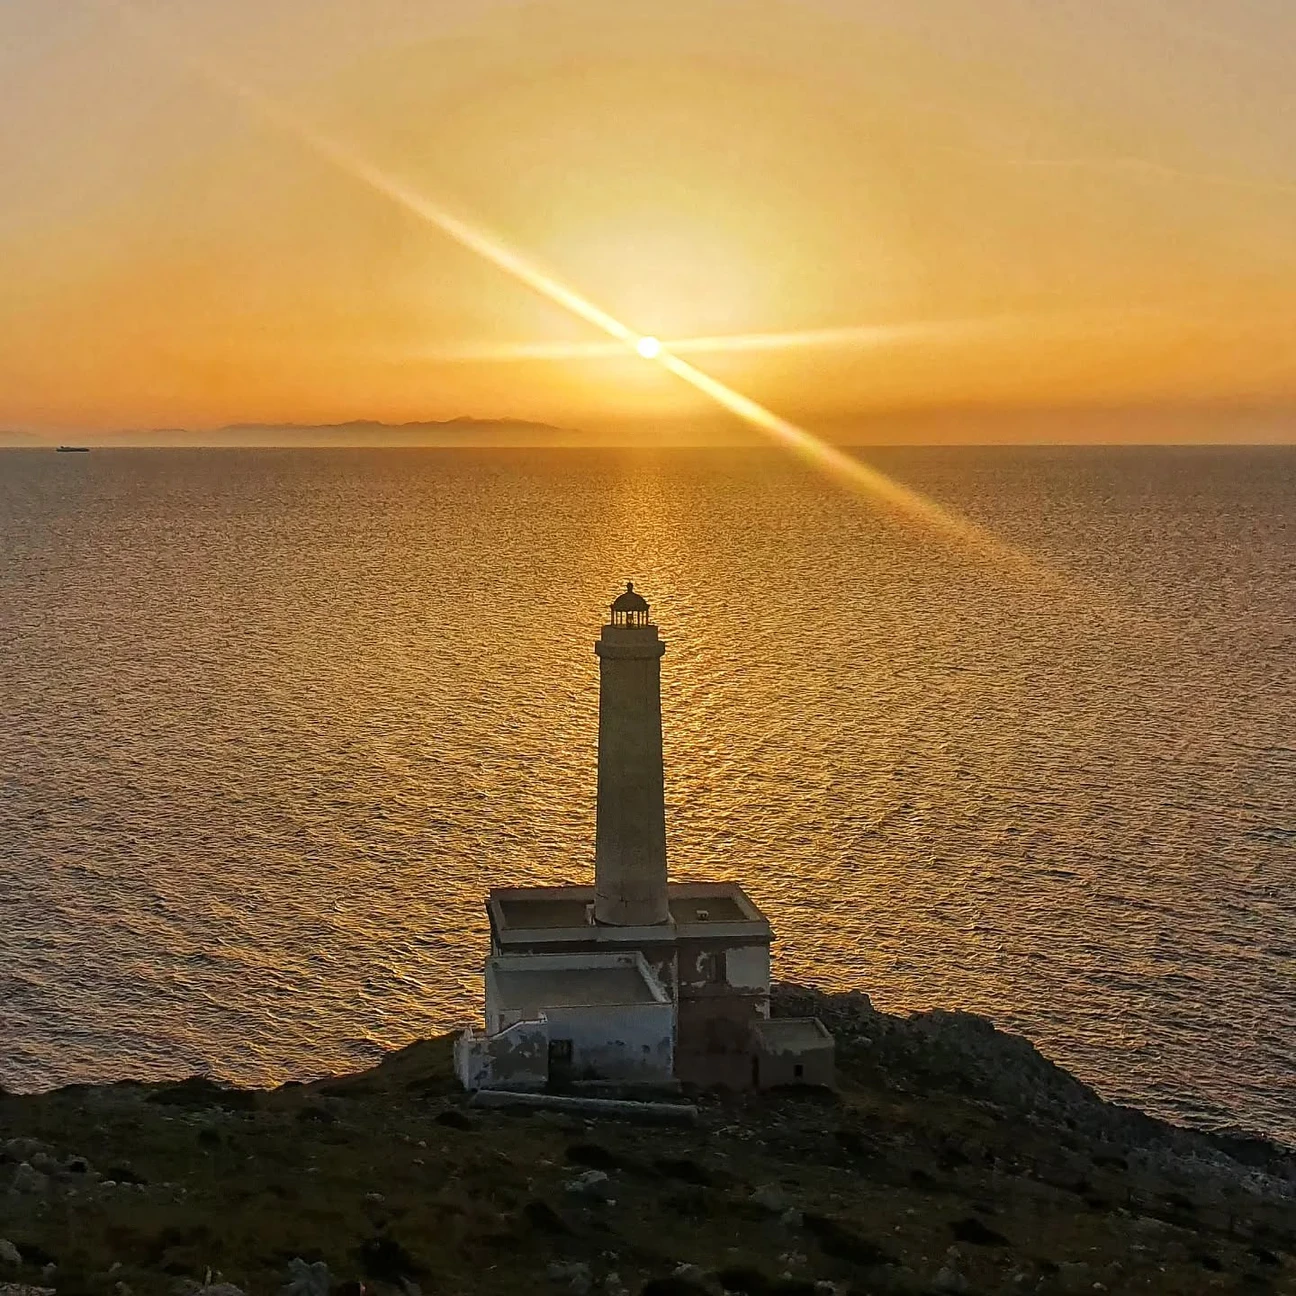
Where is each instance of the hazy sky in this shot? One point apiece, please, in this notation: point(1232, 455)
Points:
point(1088, 200)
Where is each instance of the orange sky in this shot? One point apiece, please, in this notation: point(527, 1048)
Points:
point(1088, 203)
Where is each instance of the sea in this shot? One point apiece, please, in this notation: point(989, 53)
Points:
point(272, 721)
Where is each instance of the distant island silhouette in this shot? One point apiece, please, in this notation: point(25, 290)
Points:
point(363, 432)
point(464, 431)
point(937, 426)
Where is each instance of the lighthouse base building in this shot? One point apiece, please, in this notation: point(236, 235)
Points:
point(636, 979)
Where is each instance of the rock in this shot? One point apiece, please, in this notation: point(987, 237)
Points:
point(685, 1169)
point(307, 1279)
point(972, 1230)
point(28, 1180)
point(22, 1289)
point(576, 1274)
point(385, 1258)
point(595, 1156)
point(746, 1280)
point(792, 1219)
point(770, 1198)
point(455, 1119)
point(540, 1215)
point(22, 1148)
point(9, 1254)
point(125, 1175)
point(220, 1289)
point(948, 1279)
point(593, 1183)
point(1075, 1276)
point(842, 1242)
point(673, 1286)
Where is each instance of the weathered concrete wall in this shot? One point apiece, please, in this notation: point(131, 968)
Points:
point(748, 967)
point(516, 1058)
point(632, 1043)
point(713, 1039)
point(793, 1051)
point(630, 821)
point(807, 1067)
point(739, 964)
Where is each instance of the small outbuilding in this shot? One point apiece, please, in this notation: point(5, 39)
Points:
point(792, 1051)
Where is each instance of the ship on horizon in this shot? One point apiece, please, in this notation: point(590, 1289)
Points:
point(73, 449)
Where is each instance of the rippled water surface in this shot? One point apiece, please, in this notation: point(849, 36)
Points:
point(272, 721)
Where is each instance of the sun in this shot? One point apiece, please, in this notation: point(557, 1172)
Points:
point(648, 347)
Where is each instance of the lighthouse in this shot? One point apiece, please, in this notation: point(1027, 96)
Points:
point(636, 980)
point(630, 823)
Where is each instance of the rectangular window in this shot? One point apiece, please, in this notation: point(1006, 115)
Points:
point(715, 968)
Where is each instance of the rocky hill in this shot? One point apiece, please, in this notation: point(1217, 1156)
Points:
point(954, 1159)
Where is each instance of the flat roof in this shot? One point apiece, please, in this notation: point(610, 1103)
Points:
point(706, 908)
point(692, 904)
point(532, 989)
point(792, 1034)
point(536, 909)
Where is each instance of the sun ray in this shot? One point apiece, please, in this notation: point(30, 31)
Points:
point(861, 337)
point(841, 467)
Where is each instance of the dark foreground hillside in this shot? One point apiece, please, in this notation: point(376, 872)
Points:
point(954, 1159)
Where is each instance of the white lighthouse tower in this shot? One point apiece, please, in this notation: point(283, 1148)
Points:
point(630, 835)
point(636, 979)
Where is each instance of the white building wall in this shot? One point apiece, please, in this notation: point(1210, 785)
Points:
point(632, 1042)
point(748, 967)
point(516, 1058)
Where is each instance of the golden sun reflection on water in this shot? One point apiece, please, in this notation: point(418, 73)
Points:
point(309, 706)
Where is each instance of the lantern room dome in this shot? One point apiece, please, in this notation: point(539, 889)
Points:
point(630, 601)
point(630, 609)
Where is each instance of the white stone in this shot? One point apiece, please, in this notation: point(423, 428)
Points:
point(593, 1183)
point(770, 1198)
point(9, 1254)
point(307, 1279)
